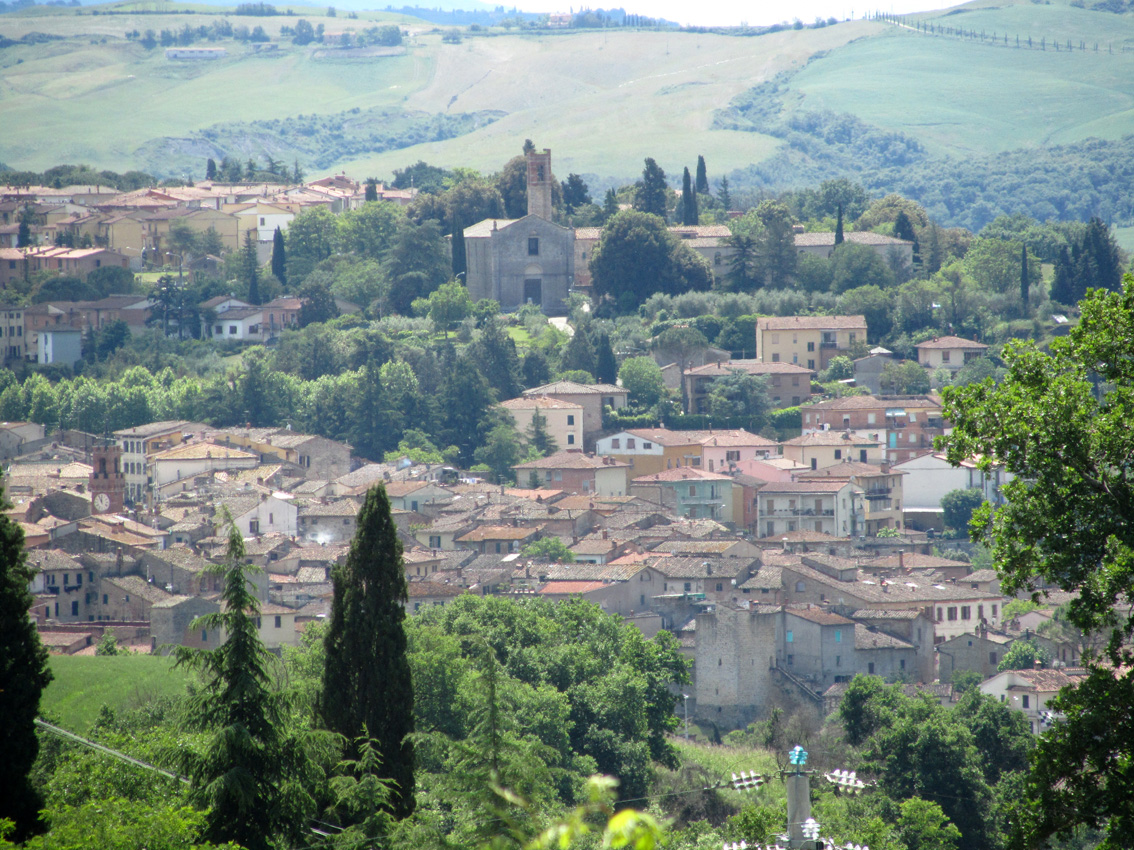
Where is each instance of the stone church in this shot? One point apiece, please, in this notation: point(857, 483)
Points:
point(529, 260)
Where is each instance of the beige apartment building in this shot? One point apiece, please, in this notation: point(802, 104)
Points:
point(564, 418)
point(808, 341)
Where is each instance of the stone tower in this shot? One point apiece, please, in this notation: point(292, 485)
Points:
point(539, 184)
point(107, 483)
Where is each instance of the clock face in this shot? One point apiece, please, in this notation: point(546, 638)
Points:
point(102, 502)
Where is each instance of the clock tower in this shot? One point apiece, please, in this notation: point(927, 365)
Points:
point(107, 483)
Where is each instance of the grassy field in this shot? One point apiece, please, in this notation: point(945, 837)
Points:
point(83, 684)
point(601, 100)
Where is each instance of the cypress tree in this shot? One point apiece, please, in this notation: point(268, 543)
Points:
point(702, 177)
point(1024, 277)
point(279, 257)
point(23, 232)
point(371, 189)
point(367, 689)
point(211, 169)
point(23, 676)
point(250, 268)
point(839, 227)
point(579, 354)
point(249, 777)
point(652, 195)
point(688, 201)
point(606, 367)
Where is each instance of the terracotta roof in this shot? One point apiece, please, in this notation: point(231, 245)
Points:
point(662, 436)
point(420, 589)
point(855, 237)
point(830, 438)
point(750, 367)
point(733, 438)
point(775, 488)
point(484, 229)
point(155, 429)
point(139, 587)
point(867, 639)
point(571, 587)
point(571, 460)
point(826, 323)
point(951, 342)
point(202, 451)
point(846, 470)
point(496, 532)
point(818, 616)
point(680, 473)
point(574, 388)
point(1049, 680)
point(528, 402)
point(870, 402)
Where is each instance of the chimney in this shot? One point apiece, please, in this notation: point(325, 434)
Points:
point(901, 559)
point(605, 534)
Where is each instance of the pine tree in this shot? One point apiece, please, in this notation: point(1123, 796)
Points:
point(724, 196)
point(24, 674)
point(538, 437)
point(250, 268)
point(1063, 284)
point(702, 177)
point(606, 367)
point(371, 189)
point(249, 777)
point(366, 677)
point(1024, 277)
point(609, 204)
point(689, 214)
point(839, 238)
point(211, 169)
point(279, 257)
point(457, 245)
point(652, 195)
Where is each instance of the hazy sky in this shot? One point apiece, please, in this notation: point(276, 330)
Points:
point(733, 12)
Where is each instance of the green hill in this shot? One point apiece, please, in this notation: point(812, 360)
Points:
point(884, 102)
point(82, 684)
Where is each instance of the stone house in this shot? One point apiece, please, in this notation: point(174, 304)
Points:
point(881, 490)
point(318, 457)
point(888, 248)
point(497, 539)
point(258, 514)
point(142, 443)
point(693, 493)
point(819, 449)
point(1030, 691)
point(128, 598)
point(593, 398)
point(949, 352)
point(829, 507)
point(789, 384)
point(171, 624)
point(563, 419)
point(416, 495)
point(734, 660)
point(868, 370)
point(174, 469)
point(809, 341)
point(980, 652)
point(575, 472)
point(334, 522)
point(818, 646)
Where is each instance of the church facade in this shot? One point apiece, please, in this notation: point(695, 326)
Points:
point(529, 260)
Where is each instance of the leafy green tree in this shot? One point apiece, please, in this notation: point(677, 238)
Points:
point(872, 302)
point(450, 303)
point(495, 354)
point(651, 195)
point(689, 214)
point(643, 378)
point(318, 302)
point(534, 369)
point(957, 507)
point(311, 238)
point(107, 644)
point(636, 256)
point(372, 700)
point(1023, 655)
point(417, 263)
point(370, 230)
point(702, 177)
point(575, 193)
point(579, 353)
point(838, 369)
point(464, 398)
point(1067, 522)
point(250, 776)
point(776, 245)
point(904, 378)
point(24, 673)
point(679, 345)
point(922, 825)
point(739, 394)
point(549, 549)
point(854, 266)
point(500, 451)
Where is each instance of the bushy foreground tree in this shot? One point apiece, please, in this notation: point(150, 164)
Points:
point(23, 676)
point(1059, 422)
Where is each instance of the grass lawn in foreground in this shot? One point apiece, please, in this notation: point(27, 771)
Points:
point(84, 683)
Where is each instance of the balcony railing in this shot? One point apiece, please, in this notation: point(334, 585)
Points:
point(880, 493)
point(793, 512)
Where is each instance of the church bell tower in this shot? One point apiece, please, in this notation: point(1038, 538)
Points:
point(107, 483)
point(539, 184)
